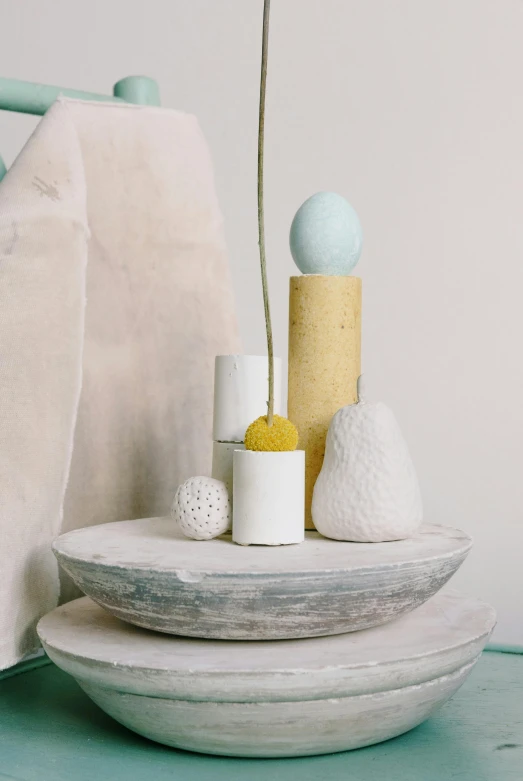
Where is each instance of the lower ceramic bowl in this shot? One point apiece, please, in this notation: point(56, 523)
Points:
point(146, 572)
point(276, 699)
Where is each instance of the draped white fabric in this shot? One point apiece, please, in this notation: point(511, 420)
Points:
point(115, 296)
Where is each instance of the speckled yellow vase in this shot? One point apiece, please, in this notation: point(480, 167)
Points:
point(324, 361)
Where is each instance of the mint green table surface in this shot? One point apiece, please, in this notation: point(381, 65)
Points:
point(51, 731)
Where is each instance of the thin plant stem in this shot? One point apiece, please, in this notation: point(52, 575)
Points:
point(261, 223)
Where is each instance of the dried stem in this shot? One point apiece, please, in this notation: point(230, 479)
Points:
point(261, 225)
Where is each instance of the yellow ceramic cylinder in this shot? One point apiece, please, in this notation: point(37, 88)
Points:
point(324, 362)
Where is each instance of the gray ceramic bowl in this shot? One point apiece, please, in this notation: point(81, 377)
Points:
point(290, 698)
point(146, 572)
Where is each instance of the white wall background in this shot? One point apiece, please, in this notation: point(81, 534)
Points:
point(414, 111)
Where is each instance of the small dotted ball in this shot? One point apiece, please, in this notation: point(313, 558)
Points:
point(282, 435)
point(326, 236)
point(201, 508)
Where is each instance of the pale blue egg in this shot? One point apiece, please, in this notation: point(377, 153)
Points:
point(326, 236)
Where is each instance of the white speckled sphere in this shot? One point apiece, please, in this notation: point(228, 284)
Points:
point(367, 490)
point(201, 508)
point(326, 236)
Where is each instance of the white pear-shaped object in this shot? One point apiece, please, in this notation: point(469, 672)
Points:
point(367, 490)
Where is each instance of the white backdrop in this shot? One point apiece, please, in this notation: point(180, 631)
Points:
point(414, 111)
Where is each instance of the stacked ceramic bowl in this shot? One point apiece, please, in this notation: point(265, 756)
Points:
point(264, 652)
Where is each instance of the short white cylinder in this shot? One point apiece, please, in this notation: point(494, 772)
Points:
point(222, 463)
point(269, 497)
point(241, 390)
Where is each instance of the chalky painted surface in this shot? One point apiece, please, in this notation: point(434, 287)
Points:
point(201, 508)
point(367, 490)
point(269, 494)
point(222, 463)
point(291, 698)
point(326, 235)
point(477, 736)
point(148, 573)
point(241, 389)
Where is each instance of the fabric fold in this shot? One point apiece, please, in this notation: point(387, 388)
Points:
point(43, 256)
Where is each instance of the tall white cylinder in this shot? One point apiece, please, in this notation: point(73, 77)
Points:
point(222, 463)
point(269, 497)
point(241, 384)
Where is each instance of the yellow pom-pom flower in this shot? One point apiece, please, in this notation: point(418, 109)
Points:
point(282, 435)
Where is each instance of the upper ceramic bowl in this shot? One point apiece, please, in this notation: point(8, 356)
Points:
point(146, 572)
point(290, 698)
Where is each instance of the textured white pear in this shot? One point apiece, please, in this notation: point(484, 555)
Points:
point(367, 490)
point(201, 508)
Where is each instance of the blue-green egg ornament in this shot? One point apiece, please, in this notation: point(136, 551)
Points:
point(326, 236)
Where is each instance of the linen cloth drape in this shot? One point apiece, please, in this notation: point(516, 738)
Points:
point(115, 296)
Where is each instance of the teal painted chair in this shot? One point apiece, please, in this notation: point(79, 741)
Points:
point(25, 97)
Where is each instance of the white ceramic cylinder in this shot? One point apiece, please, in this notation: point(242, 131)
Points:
point(222, 463)
point(269, 497)
point(241, 390)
